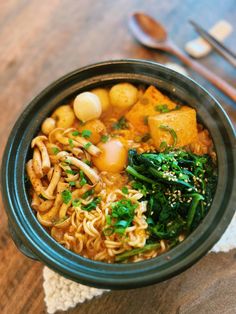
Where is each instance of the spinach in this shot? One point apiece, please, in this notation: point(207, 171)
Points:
point(179, 189)
point(124, 256)
point(92, 205)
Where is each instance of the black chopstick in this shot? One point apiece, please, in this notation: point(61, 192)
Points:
point(225, 52)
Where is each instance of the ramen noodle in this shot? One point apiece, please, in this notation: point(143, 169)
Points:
point(109, 175)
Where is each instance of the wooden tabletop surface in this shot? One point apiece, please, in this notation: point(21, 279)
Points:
point(42, 40)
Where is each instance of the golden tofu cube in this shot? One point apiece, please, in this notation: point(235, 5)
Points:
point(148, 106)
point(183, 122)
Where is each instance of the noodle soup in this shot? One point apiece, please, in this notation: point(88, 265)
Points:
point(121, 174)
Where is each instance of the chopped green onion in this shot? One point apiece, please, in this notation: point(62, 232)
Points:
point(55, 150)
point(87, 145)
point(104, 138)
point(71, 143)
point(86, 133)
point(108, 231)
point(162, 108)
point(171, 131)
point(163, 145)
point(66, 196)
point(76, 133)
point(88, 193)
point(76, 203)
point(108, 219)
point(71, 172)
point(92, 205)
point(125, 190)
point(87, 162)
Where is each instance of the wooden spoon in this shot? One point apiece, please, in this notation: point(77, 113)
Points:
point(152, 34)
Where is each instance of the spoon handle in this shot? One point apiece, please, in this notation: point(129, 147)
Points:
point(221, 84)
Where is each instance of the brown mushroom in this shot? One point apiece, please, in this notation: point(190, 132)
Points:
point(87, 145)
point(69, 172)
point(35, 204)
point(89, 172)
point(50, 174)
point(62, 223)
point(51, 216)
point(57, 234)
point(39, 142)
point(37, 163)
point(45, 206)
point(48, 193)
point(58, 136)
point(35, 181)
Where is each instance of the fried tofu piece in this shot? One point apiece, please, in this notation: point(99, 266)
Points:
point(183, 122)
point(148, 106)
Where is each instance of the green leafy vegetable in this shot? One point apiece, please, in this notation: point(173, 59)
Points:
point(179, 189)
point(140, 187)
point(66, 196)
point(148, 247)
point(72, 183)
point(192, 210)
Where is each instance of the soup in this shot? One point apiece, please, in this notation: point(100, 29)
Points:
point(121, 174)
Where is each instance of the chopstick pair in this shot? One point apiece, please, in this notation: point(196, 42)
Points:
point(218, 46)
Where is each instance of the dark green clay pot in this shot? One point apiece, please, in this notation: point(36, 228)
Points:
point(31, 238)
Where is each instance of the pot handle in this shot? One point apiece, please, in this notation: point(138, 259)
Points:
point(19, 244)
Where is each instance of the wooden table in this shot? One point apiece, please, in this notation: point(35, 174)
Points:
point(42, 40)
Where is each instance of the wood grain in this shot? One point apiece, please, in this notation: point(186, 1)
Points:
point(42, 40)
